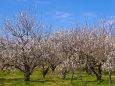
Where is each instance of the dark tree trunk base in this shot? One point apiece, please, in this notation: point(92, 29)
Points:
point(64, 73)
point(109, 78)
point(45, 71)
point(97, 71)
point(53, 67)
point(27, 78)
point(72, 77)
point(98, 77)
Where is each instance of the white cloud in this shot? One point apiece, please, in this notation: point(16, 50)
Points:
point(62, 14)
point(89, 14)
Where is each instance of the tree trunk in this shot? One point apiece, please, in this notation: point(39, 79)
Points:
point(64, 73)
point(27, 76)
point(109, 77)
point(53, 67)
point(45, 71)
point(88, 71)
point(64, 76)
point(27, 73)
point(72, 77)
point(80, 73)
point(97, 72)
point(81, 80)
point(98, 76)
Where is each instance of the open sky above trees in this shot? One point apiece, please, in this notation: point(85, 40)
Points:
point(62, 13)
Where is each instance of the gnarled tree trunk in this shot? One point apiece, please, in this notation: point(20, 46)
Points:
point(97, 71)
point(27, 76)
point(53, 67)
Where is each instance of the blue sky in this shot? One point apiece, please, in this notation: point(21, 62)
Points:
point(62, 13)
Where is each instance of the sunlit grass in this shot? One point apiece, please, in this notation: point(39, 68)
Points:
point(9, 78)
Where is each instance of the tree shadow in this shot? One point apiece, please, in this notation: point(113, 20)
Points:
point(86, 82)
point(4, 81)
point(42, 81)
point(11, 79)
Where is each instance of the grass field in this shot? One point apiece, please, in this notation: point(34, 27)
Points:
point(9, 78)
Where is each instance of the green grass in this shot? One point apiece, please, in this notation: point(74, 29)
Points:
point(9, 78)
